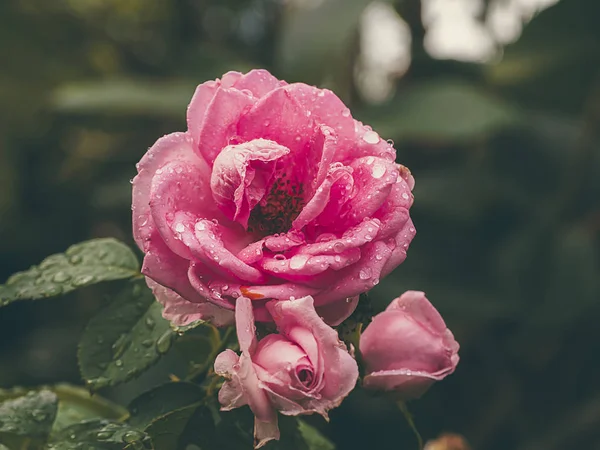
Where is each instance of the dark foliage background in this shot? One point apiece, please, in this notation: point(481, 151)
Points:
point(505, 154)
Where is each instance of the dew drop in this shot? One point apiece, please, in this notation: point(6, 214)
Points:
point(150, 323)
point(364, 274)
point(132, 436)
point(119, 363)
point(371, 137)
point(298, 261)
point(103, 435)
point(75, 259)
point(163, 344)
point(337, 258)
point(200, 226)
point(378, 171)
point(405, 196)
point(280, 257)
point(147, 343)
point(338, 247)
point(378, 257)
point(61, 277)
point(346, 113)
point(83, 280)
point(179, 227)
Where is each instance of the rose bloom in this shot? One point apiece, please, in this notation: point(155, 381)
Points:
point(407, 347)
point(302, 370)
point(273, 192)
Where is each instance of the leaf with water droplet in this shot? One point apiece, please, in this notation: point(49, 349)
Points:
point(97, 434)
point(76, 404)
point(81, 265)
point(140, 326)
point(30, 415)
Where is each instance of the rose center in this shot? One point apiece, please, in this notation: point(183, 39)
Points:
point(305, 376)
point(278, 209)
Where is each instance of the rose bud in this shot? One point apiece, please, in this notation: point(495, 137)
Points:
point(304, 369)
point(407, 347)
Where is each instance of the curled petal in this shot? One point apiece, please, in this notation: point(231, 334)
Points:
point(258, 81)
point(241, 176)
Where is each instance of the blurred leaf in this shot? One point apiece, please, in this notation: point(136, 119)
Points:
point(81, 265)
point(30, 416)
point(125, 97)
point(313, 438)
point(573, 288)
point(98, 435)
point(164, 412)
point(166, 430)
point(316, 37)
point(125, 338)
point(445, 110)
point(76, 405)
point(161, 400)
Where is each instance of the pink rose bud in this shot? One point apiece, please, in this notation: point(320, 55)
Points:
point(304, 369)
point(274, 191)
point(407, 347)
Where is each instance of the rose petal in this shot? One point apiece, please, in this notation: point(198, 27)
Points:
point(258, 81)
point(220, 123)
point(196, 112)
point(176, 146)
point(182, 312)
point(335, 313)
point(242, 175)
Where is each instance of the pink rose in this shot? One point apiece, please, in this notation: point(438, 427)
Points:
point(407, 347)
point(303, 369)
point(273, 192)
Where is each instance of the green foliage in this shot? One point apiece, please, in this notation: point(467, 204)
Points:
point(125, 338)
point(77, 405)
point(30, 416)
point(447, 110)
point(99, 435)
point(81, 265)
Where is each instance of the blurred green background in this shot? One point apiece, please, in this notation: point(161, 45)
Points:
point(494, 105)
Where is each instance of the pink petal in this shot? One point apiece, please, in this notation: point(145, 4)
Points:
point(282, 291)
point(401, 243)
point(244, 323)
point(373, 181)
point(331, 192)
point(359, 277)
point(176, 146)
point(196, 112)
point(182, 312)
point(180, 186)
point(279, 117)
point(169, 270)
point(416, 305)
point(265, 432)
point(241, 176)
point(335, 313)
point(221, 119)
point(259, 81)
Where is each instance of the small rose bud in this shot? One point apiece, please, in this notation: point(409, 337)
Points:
point(407, 347)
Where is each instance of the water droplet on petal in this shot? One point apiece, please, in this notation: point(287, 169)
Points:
point(405, 196)
point(298, 261)
point(179, 227)
point(371, 137)
point(119, 363)
point(83, 280)
point(378, 171)
point(364, 274)
point(150, 322)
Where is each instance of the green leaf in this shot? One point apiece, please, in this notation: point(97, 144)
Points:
point(98, 434)
point(31, 415)
point(161, 400)
point(313, 438)
point(77, 405)
point(125, 338)
point(81, 265)
point(166, 430)
point(125, 97)
point(445, 110)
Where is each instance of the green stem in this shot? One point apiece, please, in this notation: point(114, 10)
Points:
point(199, 373)
point(411, 423)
